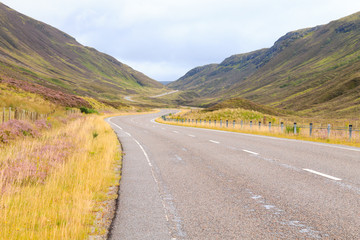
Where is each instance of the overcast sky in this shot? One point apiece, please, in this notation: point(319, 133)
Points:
point(166, 38)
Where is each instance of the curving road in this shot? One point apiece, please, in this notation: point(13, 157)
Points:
point(188, 183)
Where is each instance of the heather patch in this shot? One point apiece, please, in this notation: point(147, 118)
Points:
point(54, 96)
point(17, 128)
point(28, 167)
point(53, 186)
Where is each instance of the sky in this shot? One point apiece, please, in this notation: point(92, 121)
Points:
point(166, 38)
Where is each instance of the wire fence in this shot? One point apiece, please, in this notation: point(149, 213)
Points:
point(348, 133)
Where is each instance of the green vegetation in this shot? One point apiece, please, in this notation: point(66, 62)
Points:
point(312, 72)
point(88, 110)
point(55, 60)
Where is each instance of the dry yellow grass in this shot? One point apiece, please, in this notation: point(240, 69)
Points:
point(10, 97)
point(63, 205)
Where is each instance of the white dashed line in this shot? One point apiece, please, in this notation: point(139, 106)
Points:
point(191, 135)
point(128, 134)
point(214, 141)
point(247, 151)
point(175, 132)
point(322, 174)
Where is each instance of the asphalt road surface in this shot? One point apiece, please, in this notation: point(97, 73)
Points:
point(188, 183)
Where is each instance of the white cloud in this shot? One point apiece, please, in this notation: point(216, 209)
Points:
point(165, 38)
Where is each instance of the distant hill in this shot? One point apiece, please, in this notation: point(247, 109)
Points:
point(247, 105)
point(314, 71)
point(35, 52)
point(165, 82)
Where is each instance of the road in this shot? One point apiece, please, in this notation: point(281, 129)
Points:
point(164, 94)
point(128, 98)
point(189, 183)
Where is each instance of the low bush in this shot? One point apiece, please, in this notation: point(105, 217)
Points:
point(87, 110)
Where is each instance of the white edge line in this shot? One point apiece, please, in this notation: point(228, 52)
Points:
point(145, 154)
point(247, 151)
point(214, 141)
point(322, 174)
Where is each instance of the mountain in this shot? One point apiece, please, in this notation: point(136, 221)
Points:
point(35, 52)
point(314, 71)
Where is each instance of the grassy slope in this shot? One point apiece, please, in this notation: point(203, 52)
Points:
point(313, 71)
point(33, 51)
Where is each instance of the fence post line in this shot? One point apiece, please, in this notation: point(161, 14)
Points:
point(295, 130)
point(282, 127)
point(233, 123)
point(259, 124)
point(269, 126)
point(250, 124)
point(220, 122)
point(215, 123)
point(227, 123)
point(328, 130)
point(350, 132)
point(242, 123)
point(311, 128)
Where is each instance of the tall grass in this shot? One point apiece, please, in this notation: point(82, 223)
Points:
point(51, 186)
point(319, 134)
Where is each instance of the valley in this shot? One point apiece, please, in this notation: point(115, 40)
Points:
point(264, 145)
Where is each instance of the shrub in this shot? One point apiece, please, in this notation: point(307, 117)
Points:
point(87, 110)
point(290, 129)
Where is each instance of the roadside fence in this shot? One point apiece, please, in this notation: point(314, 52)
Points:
point(8, 114)
point(348, 133)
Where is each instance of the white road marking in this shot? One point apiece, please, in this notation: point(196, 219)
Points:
point(322, 174)
point(115, 124)
point(175, 132)
point(214, 141)
point(247, 151)
point(145, 154)
point(128, 134)
point(191, 135)
point(274, 138)
point(178, 158)
point(168, 204)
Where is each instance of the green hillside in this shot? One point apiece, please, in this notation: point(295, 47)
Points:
point(314, 71)
point(35, 52)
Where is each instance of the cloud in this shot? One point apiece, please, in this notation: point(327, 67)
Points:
point(164, 39)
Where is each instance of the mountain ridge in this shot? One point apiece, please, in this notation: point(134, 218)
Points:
point(312, 71)
point(34, 51)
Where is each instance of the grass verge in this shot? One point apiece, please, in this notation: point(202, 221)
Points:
point(52, 187)
point(265, 132)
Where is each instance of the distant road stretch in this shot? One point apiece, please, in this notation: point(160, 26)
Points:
point(188, 183)
point(128, 98)
point(164, 94)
